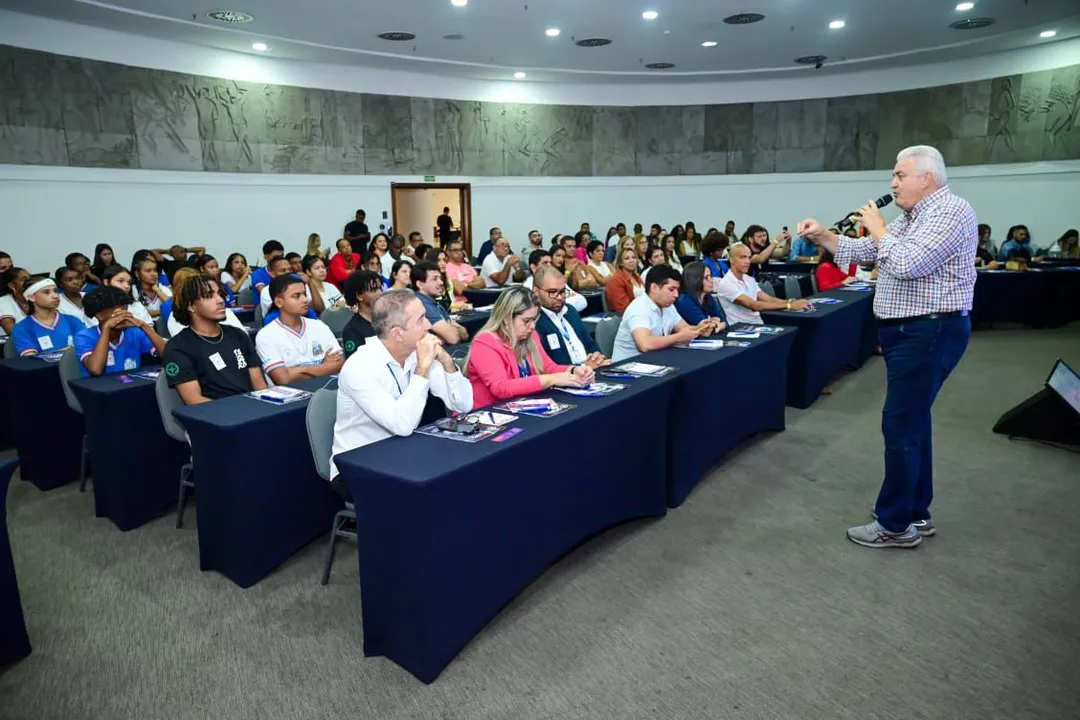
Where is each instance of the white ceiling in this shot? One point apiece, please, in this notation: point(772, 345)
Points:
point(504, 36)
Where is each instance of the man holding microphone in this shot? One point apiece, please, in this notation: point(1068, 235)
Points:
point(926, 266)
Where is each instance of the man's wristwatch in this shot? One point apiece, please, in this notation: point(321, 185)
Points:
point(788, 304)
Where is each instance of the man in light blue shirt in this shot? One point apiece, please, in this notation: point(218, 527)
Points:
point(802, 250)
point(651, 321)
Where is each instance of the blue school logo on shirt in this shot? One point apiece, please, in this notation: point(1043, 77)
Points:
point(316, 349)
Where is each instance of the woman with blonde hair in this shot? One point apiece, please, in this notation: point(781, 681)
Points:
point(625, 284)
point(314, 247)
point(506, 359)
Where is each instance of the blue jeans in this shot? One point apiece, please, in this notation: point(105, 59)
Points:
point(918, 358)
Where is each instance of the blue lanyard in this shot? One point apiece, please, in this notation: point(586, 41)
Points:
point(408, 377)
point(565, 330)
point(523, 366)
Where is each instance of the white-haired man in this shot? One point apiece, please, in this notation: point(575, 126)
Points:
point(740, 296)
point(926, 279)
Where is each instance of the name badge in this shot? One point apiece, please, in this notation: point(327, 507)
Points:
point(131, 364)
point(45, 342)
point(216, 360)
point(553, 341)
point(111, 360)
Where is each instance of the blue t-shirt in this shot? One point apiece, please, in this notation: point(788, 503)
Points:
point(32, 336)
point(433, 310)
point(801, 247)
point(230, 296)
point(261, 276)
point(126, 354)
point(719, 267)
point(1017, 249)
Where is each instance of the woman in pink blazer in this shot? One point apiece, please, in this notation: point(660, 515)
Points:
point(506, 359)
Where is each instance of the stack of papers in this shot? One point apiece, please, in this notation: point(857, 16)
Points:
point(542, 407)
point(279, 395)
point(490, 418)
point(597, 389)
point(704, 344)
point(743, 334)
point(825, 301)
point(640, 369)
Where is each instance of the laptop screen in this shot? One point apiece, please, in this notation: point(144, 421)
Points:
point(1066, 384)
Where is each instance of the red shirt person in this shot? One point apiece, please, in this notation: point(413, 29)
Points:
point(829, 276)
point(343, 264)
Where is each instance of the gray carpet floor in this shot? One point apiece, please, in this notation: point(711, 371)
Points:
point(747, 602)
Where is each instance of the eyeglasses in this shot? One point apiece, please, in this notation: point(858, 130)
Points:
point(555, 293)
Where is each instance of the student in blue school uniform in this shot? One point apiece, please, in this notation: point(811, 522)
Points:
point(45, 330)
point(209, 267)
point(119, 340)
point(261, 277)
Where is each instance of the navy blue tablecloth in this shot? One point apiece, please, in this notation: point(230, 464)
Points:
point(829, 339)
point(472, 321)
point(48, 434)
point(258, 496)
point(14, 642)
point(1041, 297)
point(136, 465)
point(446, 538)
point(721, 398)
point(7, 425)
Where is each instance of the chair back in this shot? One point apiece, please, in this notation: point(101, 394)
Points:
point(603, 300)
point(161, 326)
point(258, 315)
point(813, 283)
point(69, 370)
point(791, 288)
point(246, 297)
point(767, 287)
point(320, 418)
point(606, 330)
point(9, 349)
point(167, 401)
point(336, 320)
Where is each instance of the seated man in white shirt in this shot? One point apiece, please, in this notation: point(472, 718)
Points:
point(293, 347)
point(542, 258)
point(740, 296)
point(385, 384)
point(280, 266)
point(651, 321)
point(500, 267)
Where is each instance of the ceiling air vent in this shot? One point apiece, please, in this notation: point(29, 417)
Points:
point(660, 66)
point(744, 18)
point(811, 59)
point(972, 23)
point(453, 36)
point(593, 42)
point(397, 36)
point(229, 16)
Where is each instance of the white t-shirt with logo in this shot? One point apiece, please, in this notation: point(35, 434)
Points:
point(281, 346)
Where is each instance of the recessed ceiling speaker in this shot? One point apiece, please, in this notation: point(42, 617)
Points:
point(744, 18)
point(972, 23)
point(453, 36)
point(397, 36)
point(660, 66)
point(229, 16)
point(593, 42)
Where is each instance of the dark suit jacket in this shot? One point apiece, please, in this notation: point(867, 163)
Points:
point(545, 327)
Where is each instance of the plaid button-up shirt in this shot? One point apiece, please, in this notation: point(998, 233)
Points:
point(926, 260)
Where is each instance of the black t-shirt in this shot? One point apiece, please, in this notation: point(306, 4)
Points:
point(356, 332)
point(221, 366)
point(358, 234)
point(445, 223)
point(984, 254)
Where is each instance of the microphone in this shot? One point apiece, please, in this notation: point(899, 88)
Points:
point(854, 217)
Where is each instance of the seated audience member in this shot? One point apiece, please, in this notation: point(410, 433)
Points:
point(384, 386)
point(416, 241)
point(361, 289)
point(761, 249)
point(651, 322)
point(237, 274)
point(294, 347)
point(986, 253)
point(81, 265)
point(260, 277)
point(44, 330)
point(429, 287)
point(506, 359)
point(462, 275)
point(314, 266)
point(625, 284)
point(118, 276)
point(541, 258)
point(344, 263)
point(104, 258)
point(394, 255)
point(697, 303)
point(5, 262)
point(1066, 246)
point(802, 250)
point(420, 252)
point(667, 245)
point(71, 295)
point(559, 325)
point(173, 323)
point(314, 247)
point(296, 262)
point(13, 304)
point(380, 245)
point(208, 266)
point(713, 248)
point(401, 276)
point(600, 270)
point(536, 242)
point(148, 287)
point(119, 340)
point(654, 256)
point(488, 245)
point(373, 263)
point(500, 268)
point(575, 268)
point(1018, 244)
point(829, 276)
point(642, 247)
point(740, 296)
point(280, 266)
point(177, 257)
point(438, 256)
point(208, 359)
point(689, 241)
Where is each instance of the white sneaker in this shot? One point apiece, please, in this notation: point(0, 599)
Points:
point(875, 535)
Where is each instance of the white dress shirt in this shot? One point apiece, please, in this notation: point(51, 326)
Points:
point(377, 398)
point(574, 299)
point(574, 346)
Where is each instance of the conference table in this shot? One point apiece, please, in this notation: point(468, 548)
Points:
point(48, 434)
point(594, 297)
point(1042, 297)
point(259, 498)
point(829, 339)
point(471, 320)
point(14, 640)
point(7, 424)
point(446, 540)
point(136, 465)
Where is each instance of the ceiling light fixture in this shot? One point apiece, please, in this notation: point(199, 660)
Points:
point(964, 7)
point(229, 16)
point(1048, 33)
point(650, 15)
point(552, 32)
point(837, 24)
point(459, 3)
point(709, 43)
point(519, 75)
point(260, 47)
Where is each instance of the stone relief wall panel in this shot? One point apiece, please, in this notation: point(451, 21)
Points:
point(57, 110)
